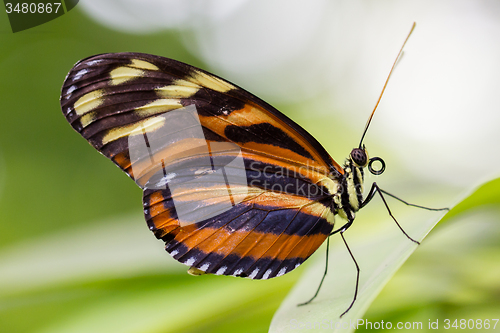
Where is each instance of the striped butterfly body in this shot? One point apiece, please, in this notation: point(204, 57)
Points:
point(232, 185)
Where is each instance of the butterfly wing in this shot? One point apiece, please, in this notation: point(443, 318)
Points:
point(181, 133)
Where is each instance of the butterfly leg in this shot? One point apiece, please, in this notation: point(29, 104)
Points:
point(375, 189)
point(341, 230)
point(324, 274)
point(357, 274)
point(410, 204)
point(326, 270)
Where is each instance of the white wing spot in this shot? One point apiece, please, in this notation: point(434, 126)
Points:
point(69, 91)
point(254, 273)
point(94, 62)
point(296, 265)
point(238, 272)
point(190, 261)
point(79, 74)
point(205, 267)
point(281, 272)
point(164, 180)
point(221, 270)
point(266, 274)
point(174, 253)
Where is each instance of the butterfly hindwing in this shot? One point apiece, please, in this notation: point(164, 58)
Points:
point(266, 235)
point(181, 133)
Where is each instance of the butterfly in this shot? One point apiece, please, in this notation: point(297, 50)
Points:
point(230, 184)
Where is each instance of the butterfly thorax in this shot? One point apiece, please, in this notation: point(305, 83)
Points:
point(354, 176)
point(349, 198)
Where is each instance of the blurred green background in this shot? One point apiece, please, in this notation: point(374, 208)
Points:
point(75, 252)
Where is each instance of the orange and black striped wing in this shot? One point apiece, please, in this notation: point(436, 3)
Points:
point(266, 235)
point(134, 108)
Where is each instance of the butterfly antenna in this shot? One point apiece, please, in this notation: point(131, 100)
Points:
point(385, 85)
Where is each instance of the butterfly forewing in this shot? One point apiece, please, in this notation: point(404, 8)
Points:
point(231, 185)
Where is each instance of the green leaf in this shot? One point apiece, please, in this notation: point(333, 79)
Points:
point(488, 194)
point(379, 253)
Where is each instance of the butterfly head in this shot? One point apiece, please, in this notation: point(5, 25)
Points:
point(354, 176)
point(359, 156)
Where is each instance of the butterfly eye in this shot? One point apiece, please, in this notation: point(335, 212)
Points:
point(382, 166)
point(359, 157)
